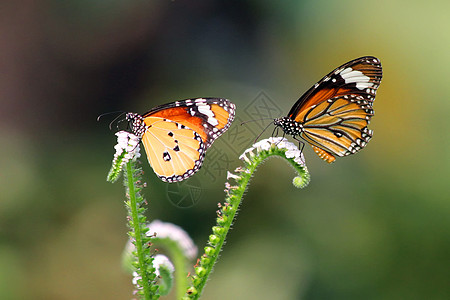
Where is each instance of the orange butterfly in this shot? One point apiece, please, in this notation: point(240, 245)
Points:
point(176, 135)
point(332, 116)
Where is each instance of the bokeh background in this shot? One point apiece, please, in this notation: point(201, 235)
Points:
point(372, 226)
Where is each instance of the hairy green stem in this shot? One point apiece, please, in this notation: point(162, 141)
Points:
point(180, 262)
point(137, 222)
point(227, 211)
point(136, 231)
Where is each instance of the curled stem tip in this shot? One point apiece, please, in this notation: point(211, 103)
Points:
point(252, 157)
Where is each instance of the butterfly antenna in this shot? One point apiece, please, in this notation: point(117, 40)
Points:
point(275, 133)
point(115, 119)
point(121, 120)
point(259, 135)
point(109, 113)
point(275, 130)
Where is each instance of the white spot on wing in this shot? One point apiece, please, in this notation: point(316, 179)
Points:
point(213, 121)
point(206, 110)
point(352, 76)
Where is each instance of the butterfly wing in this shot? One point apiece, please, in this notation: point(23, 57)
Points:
point(178, 134)
point(174, 151)
point(335, 112)
point(209, 117)
point(338, 126)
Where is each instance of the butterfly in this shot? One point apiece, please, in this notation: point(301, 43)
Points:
point(176, 135)
point(332, 116)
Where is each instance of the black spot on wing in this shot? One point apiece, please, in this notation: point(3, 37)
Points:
point(166, 156)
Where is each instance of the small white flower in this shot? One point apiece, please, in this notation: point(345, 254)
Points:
point(263, 145)
point(227, 185)
point(170, 231)
point(281, 144)
point(161, 260)
point(135, 279)
point(239, 169)
point(300, 160)
point(233, 176)
point(276, 140)
point(174, 233)
point(292, 153)
point(291, 146)
point(250, 151)
point(244, 156)
point(128, 143)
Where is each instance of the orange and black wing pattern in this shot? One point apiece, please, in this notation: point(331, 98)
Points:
point(176, 135)
point(333, 115)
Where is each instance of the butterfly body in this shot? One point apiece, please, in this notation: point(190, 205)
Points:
point(332, 116)
point(176, 135)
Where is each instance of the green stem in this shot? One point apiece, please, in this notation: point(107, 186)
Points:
point(227, 212)
point(137, 234)
point(127, 152)
point(180, 263)
point(143, 264)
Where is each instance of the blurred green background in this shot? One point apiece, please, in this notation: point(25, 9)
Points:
point(371, 226)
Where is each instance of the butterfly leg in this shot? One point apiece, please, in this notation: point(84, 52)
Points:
point(301, 145)
point(284, 134)
point(275, 131)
